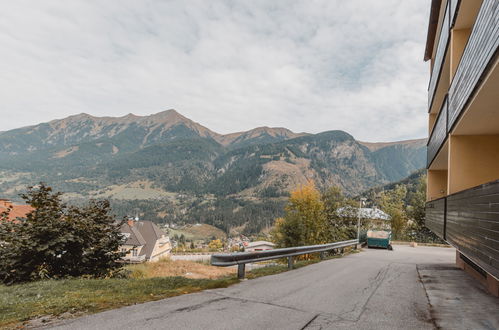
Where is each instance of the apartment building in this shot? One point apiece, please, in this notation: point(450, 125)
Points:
point(463, 144)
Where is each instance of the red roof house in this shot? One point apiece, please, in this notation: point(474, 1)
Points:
point(15, 210)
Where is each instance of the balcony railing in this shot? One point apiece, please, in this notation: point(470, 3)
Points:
point(479, 51)
point(438, 134)
point(435, 216)
point(443, 40)
point(469, 220)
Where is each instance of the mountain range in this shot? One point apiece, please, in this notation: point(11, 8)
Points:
point(169, 158)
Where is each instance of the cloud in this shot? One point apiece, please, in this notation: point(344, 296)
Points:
point(310, 65)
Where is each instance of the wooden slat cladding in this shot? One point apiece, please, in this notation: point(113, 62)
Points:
point(438, 134)
point(439, 57)
point(435, 217)
point(480, 49)
point(473, 225)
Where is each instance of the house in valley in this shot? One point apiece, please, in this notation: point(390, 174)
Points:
point(373, 218)
point(144, 241)
point(14, 210)
point(259, 246)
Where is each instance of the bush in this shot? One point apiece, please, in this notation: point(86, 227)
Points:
point(56, 240)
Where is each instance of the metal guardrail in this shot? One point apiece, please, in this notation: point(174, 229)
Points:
point(242, 258)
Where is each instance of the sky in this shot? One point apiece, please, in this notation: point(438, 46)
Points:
point(310, 66)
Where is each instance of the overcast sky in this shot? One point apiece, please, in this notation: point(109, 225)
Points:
point(308, 65)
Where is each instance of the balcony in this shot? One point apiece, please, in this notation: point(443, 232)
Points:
point(469, 220)
point(438, 134)
point(480, 50)
point(440, 54)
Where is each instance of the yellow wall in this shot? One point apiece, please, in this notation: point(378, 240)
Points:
point(437, 184)
point(459, 38)
point(161, 249)
point(473, 160)
point(431, 122)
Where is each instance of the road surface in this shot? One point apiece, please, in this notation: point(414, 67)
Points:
point(374, 289)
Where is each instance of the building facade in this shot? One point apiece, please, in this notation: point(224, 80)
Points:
point(463, 144)
point(144, 241)
point(259, 246)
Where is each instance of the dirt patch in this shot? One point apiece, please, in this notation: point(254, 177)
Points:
point(189, 269)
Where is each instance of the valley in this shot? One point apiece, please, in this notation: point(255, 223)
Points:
point(170, 169)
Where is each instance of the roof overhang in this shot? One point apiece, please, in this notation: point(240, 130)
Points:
point(432, 28)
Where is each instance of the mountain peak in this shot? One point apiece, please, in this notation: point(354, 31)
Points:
point(168, 115)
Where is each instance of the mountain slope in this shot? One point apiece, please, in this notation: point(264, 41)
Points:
point(124, 133)
point(197, 174)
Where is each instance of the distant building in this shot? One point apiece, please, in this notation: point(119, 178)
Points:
point(15, 210)
point(144, 241)
point(463, 124)
point(377, 219)
point(259, 246)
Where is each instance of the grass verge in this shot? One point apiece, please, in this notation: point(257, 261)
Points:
point(53, 299)
point(22, 302)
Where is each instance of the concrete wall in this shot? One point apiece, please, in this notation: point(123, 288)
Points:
point(473, 160)
point(437, 184)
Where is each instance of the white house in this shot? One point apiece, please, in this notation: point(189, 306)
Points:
point(259, 246)
point(144, 241)
point(377, 218)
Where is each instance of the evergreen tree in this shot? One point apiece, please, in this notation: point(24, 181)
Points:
point(56, 240)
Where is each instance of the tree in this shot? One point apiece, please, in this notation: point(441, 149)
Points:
point(340, 213)
point(56, 240)
point(304, 221)
point(417, 202)
point(182, 239)
point(215, 244)
point(392, 202)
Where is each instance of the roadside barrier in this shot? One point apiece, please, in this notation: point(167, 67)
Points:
point(242, 258)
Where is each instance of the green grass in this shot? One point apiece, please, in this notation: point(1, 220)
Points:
point(22, 302)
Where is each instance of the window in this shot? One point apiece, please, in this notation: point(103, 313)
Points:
point(134, 252)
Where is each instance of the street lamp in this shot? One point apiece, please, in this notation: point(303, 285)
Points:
point(361, 202)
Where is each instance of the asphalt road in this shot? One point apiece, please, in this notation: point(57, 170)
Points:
point(374, 289)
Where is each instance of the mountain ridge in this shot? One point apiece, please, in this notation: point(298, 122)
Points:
point(170, 118)
point(176, 170)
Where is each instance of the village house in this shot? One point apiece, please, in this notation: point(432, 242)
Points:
point(259, 246)
point(144, 241)
point(376, 218)
point(14, 210)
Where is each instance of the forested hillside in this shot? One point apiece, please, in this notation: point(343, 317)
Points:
point(168, 168)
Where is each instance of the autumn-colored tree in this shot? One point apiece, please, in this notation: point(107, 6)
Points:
point(215, 244)
point(304, 221)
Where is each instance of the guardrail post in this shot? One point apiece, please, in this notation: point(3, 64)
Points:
point(240, 271)
point(290, 262)
point(322, 255)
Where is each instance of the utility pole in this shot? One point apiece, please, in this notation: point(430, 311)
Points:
point(361, 202)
